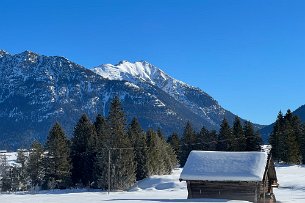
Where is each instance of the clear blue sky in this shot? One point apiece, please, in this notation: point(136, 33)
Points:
point(247, 54)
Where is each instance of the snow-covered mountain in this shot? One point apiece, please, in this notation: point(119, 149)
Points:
point(139, 71)
point(191, 97)
point(37, 90)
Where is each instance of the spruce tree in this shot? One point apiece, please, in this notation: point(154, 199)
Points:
point(276, 138)
point(213, 140)
point(225, 137)
point(155, 161)
point(21, 170)
point(100, 173)
point(138, 140)
point(287, 139)
point(292, 132)
point(302, 142)
point(4, 173)
point(169, 156)
point(16, 182)
point(293, 149)
point(253, 139)
point(122, 158)
point(239, 140)
point(188, 142)
point(174, 141)
point(82, 152)
point(204, 138)
point(208, 140)
point(35, 167)
point(57, 159)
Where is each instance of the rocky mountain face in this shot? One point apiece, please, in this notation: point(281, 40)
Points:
point(38, 90)
point(194, 99)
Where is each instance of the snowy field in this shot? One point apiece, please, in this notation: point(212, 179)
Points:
point(163, 189)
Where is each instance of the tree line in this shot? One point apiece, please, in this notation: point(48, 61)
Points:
point(288, 139)
point(105, 153)
point(239, 137)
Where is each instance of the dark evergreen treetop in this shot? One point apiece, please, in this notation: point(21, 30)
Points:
point(83, 151)
point(188, 142)
point(224, 137)
point(138, 141)
point(122, 159)
point(102, 133)
point(83, 135)
point(35, 164)
point(117, 124)
point(58, 163)
point(239, 142)
point(174, 141)
point(134, 130)
point(253, 139)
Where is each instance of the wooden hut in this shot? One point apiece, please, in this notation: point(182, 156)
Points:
point(248, 176)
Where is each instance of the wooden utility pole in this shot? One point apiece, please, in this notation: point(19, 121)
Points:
point(109, 163)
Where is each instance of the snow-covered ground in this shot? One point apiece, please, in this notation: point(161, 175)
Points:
point(163, 189)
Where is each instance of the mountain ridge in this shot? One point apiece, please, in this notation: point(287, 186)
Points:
point(140, 71)
point(38, 90)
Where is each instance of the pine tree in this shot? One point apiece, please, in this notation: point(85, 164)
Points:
point(276, 137)
point(239, 141)
point(212, 140)
point(82, 152)
point(156, 164)
point(100, 173)
point(292, 132)
point(16, 182)
point(208, 140)
point(169, 156)
point(35, 167)
point(57, 159)
point(302, 142)
point(138, 140)
point(293, 149)
point(5, 181)
point(122, 159)
point(225, 137)
point(21, 171)
point(203, 137)
point(187, 143)
point(174, 141)
point(253, 139)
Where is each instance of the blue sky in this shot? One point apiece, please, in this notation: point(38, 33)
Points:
point(247, 54)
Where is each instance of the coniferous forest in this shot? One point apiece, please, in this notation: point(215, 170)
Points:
point(110, 154)
point(288, 139)
point(106, 154)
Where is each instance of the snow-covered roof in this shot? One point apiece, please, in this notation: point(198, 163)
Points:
point(225, 166)
point(266, 148)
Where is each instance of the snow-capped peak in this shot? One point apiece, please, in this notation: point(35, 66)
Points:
point(142, 71)
point(133, 72)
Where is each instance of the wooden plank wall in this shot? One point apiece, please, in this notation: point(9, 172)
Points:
point(248, 191)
